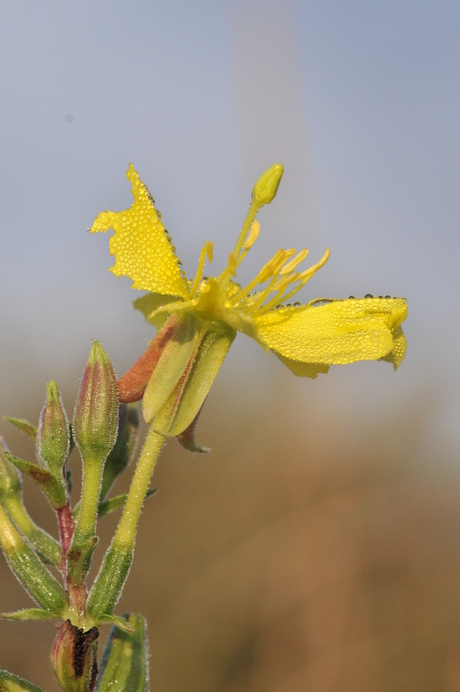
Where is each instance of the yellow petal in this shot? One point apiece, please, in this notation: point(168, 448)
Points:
point(396, 356)
point(149, 303)
point(142, 248)
point(335, 333)
point(311, 370)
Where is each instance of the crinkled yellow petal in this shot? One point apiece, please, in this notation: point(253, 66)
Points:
point(335, 333)
point(311, 370)
point(142, 248)
point(396, 356)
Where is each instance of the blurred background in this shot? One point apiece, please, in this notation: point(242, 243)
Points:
point(317, 547)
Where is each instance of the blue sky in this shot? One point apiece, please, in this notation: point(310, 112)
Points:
point(359, 100)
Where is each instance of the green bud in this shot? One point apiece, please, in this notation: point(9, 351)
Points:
point(73, 658)
point(11, 499)
point(125, 661)
point(123, 452)
point(53, 431)
point(266, 187)
point(11, 683)
point(95, 419)
point(30, 571)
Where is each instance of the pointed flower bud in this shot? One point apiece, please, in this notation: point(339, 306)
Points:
point(266, 187)
point(73, 658)
point(53, 431)
point(96, 412)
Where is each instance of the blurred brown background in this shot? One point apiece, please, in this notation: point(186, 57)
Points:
point(317, 547)
point(302, 553)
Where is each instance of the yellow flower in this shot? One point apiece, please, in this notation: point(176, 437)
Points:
point(198, 319)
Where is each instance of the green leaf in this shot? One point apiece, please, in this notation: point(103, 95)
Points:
point(33, 575)
point(11, 683)
point(124, 664)
point(24, 426)
point(53, 488)
point(114, 620)
point(118, 502)
point(29, 614)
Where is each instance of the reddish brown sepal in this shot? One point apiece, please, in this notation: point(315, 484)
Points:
point(132, 384)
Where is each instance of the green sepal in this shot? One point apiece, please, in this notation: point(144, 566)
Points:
point(110, 581)
point(125, 446)
point(33, 575)
point(187, 437)
point(52, 487)
point(174, 363)
point(118, 502)
point(114, 620)
point(186, 400)
point(125, 661)
point(79, 558)
point(11, 683)
point(29, 614)
point(24, 426)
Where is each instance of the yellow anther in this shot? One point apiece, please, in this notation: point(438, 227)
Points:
point(274, 265)
point(294, 262)
point(253, 235)
point(232, 263)
point(209, 249)
point(308, 273)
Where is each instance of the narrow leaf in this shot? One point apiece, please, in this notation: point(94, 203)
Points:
point(11, 683)
point(118, 502)
point(24, 426)
point(114, 620)
point(29, 614)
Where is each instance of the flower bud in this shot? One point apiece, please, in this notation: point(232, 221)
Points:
point(73, 659)
point(96, 412)
point(53, 431)
point(266, 187)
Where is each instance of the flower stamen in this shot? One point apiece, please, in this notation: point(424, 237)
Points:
point(269, 270)
point(301, 278)
point(206, 251)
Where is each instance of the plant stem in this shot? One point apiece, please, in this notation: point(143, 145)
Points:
point(115, 567)
point(86, 524)
point(127, 527)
